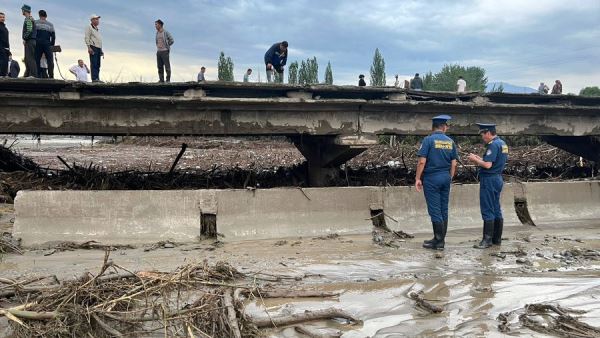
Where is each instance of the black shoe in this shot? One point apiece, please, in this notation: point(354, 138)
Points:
point(488, 231)
point(498, 226)
point(438, 237)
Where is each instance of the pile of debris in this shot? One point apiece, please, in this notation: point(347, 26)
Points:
point(194, 300)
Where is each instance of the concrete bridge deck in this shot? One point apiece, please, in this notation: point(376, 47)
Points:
point(328, 124)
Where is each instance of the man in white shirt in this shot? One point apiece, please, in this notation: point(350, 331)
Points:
point(461, 85)
point(81, 71)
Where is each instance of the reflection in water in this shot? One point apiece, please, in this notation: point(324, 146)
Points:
point(472, 304)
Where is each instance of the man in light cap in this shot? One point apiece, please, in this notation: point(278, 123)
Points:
point(93, 40)
point(435, 169)
point(491, 166)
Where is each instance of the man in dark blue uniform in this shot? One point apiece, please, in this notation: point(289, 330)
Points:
point(435, 169)
point(490, 184)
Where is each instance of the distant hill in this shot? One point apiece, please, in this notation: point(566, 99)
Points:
point(508, 88)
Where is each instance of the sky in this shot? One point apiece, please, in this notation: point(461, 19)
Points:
point(517, 41)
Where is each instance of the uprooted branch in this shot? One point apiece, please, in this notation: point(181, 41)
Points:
point(306, 316)
point(418, 297)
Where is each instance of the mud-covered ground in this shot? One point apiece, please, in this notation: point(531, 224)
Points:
point(550, 263)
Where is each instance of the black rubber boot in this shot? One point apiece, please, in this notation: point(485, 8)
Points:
point(430, 241)
point(488, 232)
point(498, 226)
point(438, 237)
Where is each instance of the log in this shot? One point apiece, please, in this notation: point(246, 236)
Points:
point(292, 293)
point(231, 315)
point(106, 327)
point(32, 315)
point(306, 316)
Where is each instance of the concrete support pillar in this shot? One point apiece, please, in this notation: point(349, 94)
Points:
point(325, 154)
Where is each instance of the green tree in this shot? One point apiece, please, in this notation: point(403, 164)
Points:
point(225, 68)
point(293, 73)
point(309, 72)
point(445, 80)
point(378, 70)
point(328, 74)
point(590, 91)
point(497, 89)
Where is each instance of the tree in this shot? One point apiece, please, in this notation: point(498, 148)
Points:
point(590, 91)
point(497, 89)
point(309, 72)
point(378, 70)
point(328, 74)
point(446, 79)
point(225, 68)
point(293, 73)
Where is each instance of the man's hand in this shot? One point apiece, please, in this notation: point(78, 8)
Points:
point(90, 51)
point(474, 158)
point(419, 185)
point(269, 66)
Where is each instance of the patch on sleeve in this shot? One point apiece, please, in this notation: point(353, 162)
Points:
point(505, 149)
point(488, 152)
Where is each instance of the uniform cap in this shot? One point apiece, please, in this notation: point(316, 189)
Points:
point(441, 118)
point(26, 8)
point(485, 127)
point(94, 16)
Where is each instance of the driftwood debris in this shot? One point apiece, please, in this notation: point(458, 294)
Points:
point(418, 297)
point(307, 316)
point(274, 293)
point(550, 319)
point(312, 333)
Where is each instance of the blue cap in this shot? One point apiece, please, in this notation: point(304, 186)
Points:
point(485, 127)
point(441, 118)
point(26, 8)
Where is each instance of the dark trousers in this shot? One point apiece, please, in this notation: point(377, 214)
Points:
point(31, 68)
point(95, 63)
point(163, 63)
point(437, 194)
point(44, 47)
point(3, 62)
point(490, 188)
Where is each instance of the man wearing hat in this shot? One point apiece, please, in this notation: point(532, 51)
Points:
point(29, 37)
point(435, 169)
point(491, 166)
point(361, 81)
point(93, 40)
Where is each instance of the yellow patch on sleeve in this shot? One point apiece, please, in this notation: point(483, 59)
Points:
point(445, 145)
point(505, 149)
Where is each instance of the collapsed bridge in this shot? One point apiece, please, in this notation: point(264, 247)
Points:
point(328, 124)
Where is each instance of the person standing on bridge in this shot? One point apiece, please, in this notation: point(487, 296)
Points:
point(361, 81)
point(4, 47)
point(29, 40)
point(557, 88)
point(491, 166)
point(435, 169)
point(461, 85)
point(164, 41)
point(275, 60)
point(416, 83)
point(93, 41)
point(543, 89)
point(45, 40)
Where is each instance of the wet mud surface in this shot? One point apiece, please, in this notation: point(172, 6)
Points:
point(559, 264)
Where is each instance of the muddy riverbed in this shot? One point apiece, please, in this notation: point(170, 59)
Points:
point(552, 264)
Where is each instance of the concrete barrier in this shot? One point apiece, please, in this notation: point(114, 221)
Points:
point(275, 213)
point(408, 207)
point(116, 217)
point(560, 202)
point(112, 217)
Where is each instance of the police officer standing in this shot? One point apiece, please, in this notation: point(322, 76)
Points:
point(490, 184)
point(435, 169)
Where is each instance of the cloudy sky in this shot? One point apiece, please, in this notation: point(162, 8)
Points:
point(516, 41)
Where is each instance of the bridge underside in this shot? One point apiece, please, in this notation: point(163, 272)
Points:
point(328, 124)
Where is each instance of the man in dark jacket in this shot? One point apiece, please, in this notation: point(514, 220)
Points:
point(13, 67)
point(45, 39)
point(4, 46)
point(275, 59)
point(416, 83)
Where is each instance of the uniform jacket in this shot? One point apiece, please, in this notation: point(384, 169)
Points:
point(496, 151)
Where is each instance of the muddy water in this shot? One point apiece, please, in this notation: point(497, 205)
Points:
point(472, 285)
